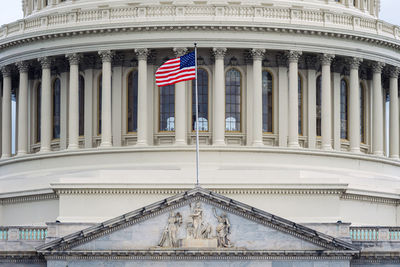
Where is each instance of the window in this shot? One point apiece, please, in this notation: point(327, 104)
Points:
point(202, 87)
point(343, 109)
point(132, 101)
point(81, 105)
point(99, 103)
point(38, 111)
point(362, 113)
point(56, 108)
point(318, 106)
point(232, 100)
point(300, 105)
point(267, 100)
point(167, 108)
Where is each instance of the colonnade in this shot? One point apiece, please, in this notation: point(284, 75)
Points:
point(288, 103)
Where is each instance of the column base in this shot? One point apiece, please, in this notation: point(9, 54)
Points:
point(258, 143)
point(378, 153)
point(180, 143)
point(105, 145)
point(73, 147)
point(355, 150)
point(5, 156)
point(142, 143)
point(44, 150)
point(21, 153)
point(327, 147)
point(294, 145)
point(395, 157)
point(219, 143)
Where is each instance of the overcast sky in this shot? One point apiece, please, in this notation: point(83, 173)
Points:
point(11, 10)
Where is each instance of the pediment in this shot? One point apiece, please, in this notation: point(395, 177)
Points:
point(197, 220)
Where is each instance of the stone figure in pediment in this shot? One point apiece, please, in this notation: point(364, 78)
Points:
point(197, 228)
point(169, 236)
point(223, 230)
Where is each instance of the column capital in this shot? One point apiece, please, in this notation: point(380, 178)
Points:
point(106, 55)
point(219, 52)
point(394, 72)
point(142, 53)
point(293, 56)
point(6, 71)
point(377, 67)
point(74, 58)
point(326, 59)
point(354, 62)
point(180, 51)
point(45, 62)
point(22, 66)
point(257, 54)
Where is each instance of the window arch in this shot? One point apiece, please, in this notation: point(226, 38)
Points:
point(132, 99)
point(362, 113)
point(38, 111)
point(202, 87)
point(300, 105)
point(81, 105)
point(167, 108)
point(344, 92)
point(318, 106)
point(56, 108)
point(267, 101)
point(233, 84)
point(99, 102)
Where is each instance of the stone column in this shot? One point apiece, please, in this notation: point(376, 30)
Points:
point(73, 118)
point(377, 110)
point(312, 96)
point(23, 109)
point(142, 118)
point(394, 114)
point(354, 112)
point(106, 125)
point(219, 97)
point(6, 113)
point(293, 57)
point(258, 55)
point(180, 105)
point(326, 113)
point(283, 92)
point(46, 114)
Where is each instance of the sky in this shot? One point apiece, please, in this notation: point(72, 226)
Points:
point(11, 10)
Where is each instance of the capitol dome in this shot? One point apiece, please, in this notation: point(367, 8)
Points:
point(294, 97)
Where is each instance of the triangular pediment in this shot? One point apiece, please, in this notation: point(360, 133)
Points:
point(198, 220)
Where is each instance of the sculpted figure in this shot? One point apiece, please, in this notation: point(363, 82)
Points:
point(169, 236)
point(223, 230)
point(197, 219)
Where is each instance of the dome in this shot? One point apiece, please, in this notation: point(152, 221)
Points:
point(298, 109)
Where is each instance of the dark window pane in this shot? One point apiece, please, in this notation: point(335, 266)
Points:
point(343, 109)
point(99, 98)
point(167, 108)
point(318, 106)
point(81, 105)
point(56, 108)
point(233, 97)
point(202, 87)
point(132, 101)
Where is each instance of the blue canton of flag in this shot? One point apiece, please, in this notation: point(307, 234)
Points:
point(177, 70)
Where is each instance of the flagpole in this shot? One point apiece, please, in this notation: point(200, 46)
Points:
point(197, 118)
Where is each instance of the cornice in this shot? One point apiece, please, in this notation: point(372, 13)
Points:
point(28, 198)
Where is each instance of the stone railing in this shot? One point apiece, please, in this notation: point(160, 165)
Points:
point(28, 233)
point(204, 13)
point(371, 234)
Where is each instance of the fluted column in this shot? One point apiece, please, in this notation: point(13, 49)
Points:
point(293, 57)
point(377, 110)
point(219, 97)
point(142, 118)
point(23, 109)
point(258, 55)
point(6, 113)
point(180, 106)
point(354, 116)
point(106, 125)
point(326, 112)
point(73, 118)
point(46, 114)
point(394, 114)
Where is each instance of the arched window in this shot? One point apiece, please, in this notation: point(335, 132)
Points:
point(56, 108)
point(132, 92)
point(318, 106)
point(232, 100)
point(38, 111)
point(362, 113)
point(300, 105)
point(99, 99)
point(81, 105)
point(167, 108)
point(343, 109)
point(202, 87)
point(267, 100)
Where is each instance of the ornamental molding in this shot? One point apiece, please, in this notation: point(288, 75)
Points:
point(30, 198)
point(374, 199)
point(22, 66)
point(377, 67)
point(142, 53)
point(258, 54)
point(293, 56)
point(394, 72)
point(74, 58)
point(45, 62)
point(355, 63)
point(326, 59)
point(219, 52)
point(6, 71)
point(106, 55)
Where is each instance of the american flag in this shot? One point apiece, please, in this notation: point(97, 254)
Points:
point(177, 70)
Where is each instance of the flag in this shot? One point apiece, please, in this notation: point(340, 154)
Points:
point(177, 70)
